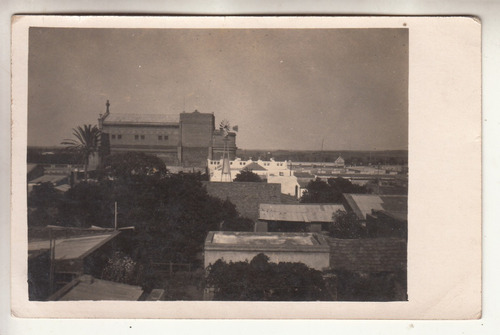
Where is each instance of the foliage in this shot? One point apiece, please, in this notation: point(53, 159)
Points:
point(248, 176)
point(132, 164)
point(86, 143)
point(378, 286)
point(120, 268)
point(43, 203)
point(346, 225)
point(319, 191)
point(237, 224)
point(86, 204)
point(261, 280)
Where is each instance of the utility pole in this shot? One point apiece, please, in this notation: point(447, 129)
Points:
point(116, 215)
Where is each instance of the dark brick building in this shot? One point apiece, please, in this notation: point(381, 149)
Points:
point(186, 139)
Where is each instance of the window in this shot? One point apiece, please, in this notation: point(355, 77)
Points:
point(136, 137)
point(160, 137)
point(119, 137)
point(142, 137)
point(282, 174)
point(165, 137)
point(113, 137)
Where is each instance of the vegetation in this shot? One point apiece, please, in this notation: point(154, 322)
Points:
point(261, 280)
point(130, 164)
point(85, 144)
point(346, 225)
point(319, 191)
point(247, 175)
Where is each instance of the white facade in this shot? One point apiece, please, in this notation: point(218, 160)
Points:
point(264, 169)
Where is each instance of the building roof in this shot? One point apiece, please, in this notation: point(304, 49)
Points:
point(254, 167)
point(142, 118)
point(73, 248)
point(224, 240)
point(63, 187)
point(53, 178)
point(88, 288)
point(303, 175)
point(246, 196)
point(298, 212)
point(363, 204)
point(368, 254)
point(30, 167)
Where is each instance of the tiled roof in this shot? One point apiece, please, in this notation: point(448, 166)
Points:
point(363, 204)
point(368, 254)
point(88, 288)
point(299, 212)
point(246, 196)
point(142, 118)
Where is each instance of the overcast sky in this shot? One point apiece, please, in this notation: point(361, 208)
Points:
point(284, 88)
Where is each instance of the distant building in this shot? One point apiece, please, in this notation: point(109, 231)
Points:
point(186, 139)
point(263, 169)
point(298, 217)
point(308, 248)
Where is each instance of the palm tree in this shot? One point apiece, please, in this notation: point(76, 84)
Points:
point(86, 143)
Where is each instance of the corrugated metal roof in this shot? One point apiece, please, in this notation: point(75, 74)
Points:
point(363, 204)
point(89, 288)
point(73, 248)
point(142, 118)
point(299, 212)
point(368, 254)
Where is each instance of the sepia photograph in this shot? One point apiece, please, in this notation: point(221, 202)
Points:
point(226, 164)
point(217, 163)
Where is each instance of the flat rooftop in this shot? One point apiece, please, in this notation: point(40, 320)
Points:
point(220, 240)
point(298, 212)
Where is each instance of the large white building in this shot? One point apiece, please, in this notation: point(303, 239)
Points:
point(262, 168)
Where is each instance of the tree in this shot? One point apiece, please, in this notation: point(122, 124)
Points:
point(248, 176)
point(318, 191)
point(85, 145)
point(129, 165)
point(43, 203)
point(346, 225)
point(261, 280)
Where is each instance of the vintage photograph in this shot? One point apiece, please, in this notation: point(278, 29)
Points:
point(217, 164)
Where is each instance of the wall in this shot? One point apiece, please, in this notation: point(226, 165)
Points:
point(317, 260)
point(196, 129)
point(246, 196)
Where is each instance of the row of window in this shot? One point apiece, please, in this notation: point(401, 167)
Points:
point(142, 137)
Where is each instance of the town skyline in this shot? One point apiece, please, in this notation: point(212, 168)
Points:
point(332, 89)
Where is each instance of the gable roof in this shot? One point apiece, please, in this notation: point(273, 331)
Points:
point(298, 212)
point(254, 167)
point(363, 204)
point(368, 254)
